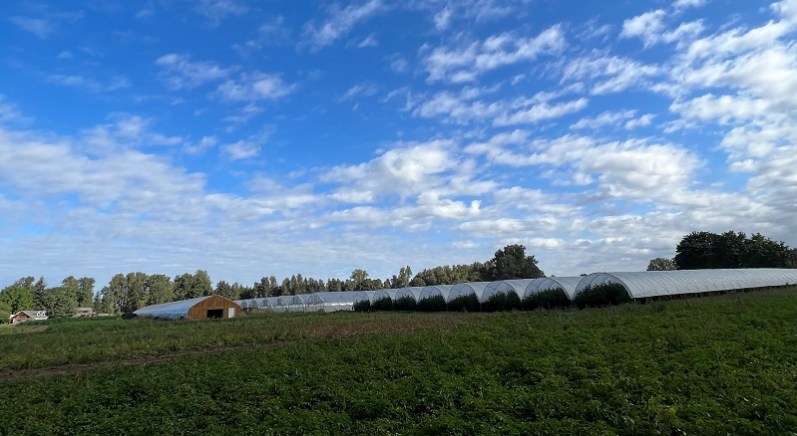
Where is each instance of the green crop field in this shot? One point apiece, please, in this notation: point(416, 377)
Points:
point(717, 365)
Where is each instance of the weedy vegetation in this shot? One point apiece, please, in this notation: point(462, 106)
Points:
point(716, 365)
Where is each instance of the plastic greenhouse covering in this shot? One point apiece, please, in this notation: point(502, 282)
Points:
point(413, 292)
point(568, 284)
point(465, 289)
point(173, 310)
point(663, 283)
point(518, 287)
point(384, 293)
point(335, 301)
point(434, 291)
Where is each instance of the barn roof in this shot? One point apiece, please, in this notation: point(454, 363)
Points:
point(174, 309)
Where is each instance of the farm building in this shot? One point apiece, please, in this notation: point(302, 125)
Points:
point(666, 283)
point(27, 315)
point(212, 306)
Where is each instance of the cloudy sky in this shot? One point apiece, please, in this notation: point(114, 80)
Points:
point(276, 137)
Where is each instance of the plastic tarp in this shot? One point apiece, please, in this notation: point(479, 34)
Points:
point(173, 310)
point(662, 283)
point(568, 284)
point(517, 287)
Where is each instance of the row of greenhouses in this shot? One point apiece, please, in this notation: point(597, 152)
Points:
point(593, 289)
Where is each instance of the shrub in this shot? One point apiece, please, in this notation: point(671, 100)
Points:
point(548, 299)
point(502, 301)
point(404, 304)
point(382, 304)
point(432, 304)
point(608, 294)
point(469, 302)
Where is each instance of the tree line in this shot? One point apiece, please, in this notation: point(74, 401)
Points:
point(729, 250)
point(127, 292)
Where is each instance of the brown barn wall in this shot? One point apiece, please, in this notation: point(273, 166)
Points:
point(200, 310)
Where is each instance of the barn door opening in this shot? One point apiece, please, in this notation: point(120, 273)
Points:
point(215, 313)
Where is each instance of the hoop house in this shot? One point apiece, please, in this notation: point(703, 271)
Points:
point(407, 298)
point(550, 292)
point(667, 283)
point(465, 296)
point(337, 301)
point(383, 299)
point(504, 294)
point(434, 298)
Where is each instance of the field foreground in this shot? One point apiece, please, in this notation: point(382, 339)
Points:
point(717, 365)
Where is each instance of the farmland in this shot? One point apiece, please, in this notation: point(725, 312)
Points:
point(715, 365)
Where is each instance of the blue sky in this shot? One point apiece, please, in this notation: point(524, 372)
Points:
point(281, 137)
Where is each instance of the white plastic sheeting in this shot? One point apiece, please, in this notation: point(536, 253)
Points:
point(663, 283)
point(517, 287)
point(413, 292)
point(568, 284)
point(435, 291)
point(336, 301)
point(173, 310)
point(465, 289)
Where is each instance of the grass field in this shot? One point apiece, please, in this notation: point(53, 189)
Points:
point(716, 365)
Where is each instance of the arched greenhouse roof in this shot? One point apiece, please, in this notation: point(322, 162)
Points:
point(433, 291)
point(662, 283)
point(568, 284)
point(413, 292)
point(463, 289)
point(517, 287)
point(382, 294)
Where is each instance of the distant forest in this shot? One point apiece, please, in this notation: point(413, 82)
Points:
point(128, 292)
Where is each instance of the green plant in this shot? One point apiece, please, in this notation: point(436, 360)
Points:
point(432, 304)
point(362, 306)
point(547, 299)
point(406, 304)
point(382, 304)
point(469, 303)
point(502, 301)
point(607, 294)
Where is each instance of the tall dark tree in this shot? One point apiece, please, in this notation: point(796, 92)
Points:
point(85, 297)
point(203, 284)
point(40, 293)
point(697, 251)
point(158, 289)
point(511, 262)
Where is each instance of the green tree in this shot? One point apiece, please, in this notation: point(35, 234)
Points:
point(86, 296)
point(202, 283)
point(511, 262)
point(696, 251)
point(135, 296)
point(158, 289)
point(225, 290)
point(61, 303)
point(40, 293)
point(184, 287)
point(661, 264)
point(15, 298)
point(113, 296)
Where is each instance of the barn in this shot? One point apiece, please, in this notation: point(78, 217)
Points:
point(27, 315)
point(212, 306)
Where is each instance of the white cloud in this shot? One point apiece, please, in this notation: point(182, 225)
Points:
point(609, 74)
point(217, 10)
point(39, 27)
point(369, 41)
point(179, 72)
point(361, 89)
point(340, 22)
point(604, 119)
point(242, 150)
point(541, 111)
point(89, 84)
point(647, 26)
point(465, 64)
point(255, 86)
point(684, 4)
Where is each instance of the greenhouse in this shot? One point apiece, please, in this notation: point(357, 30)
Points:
point(504, 294)
point(434, 298)
point(382, 299)
point(567, 284)
point(407, 298)
point(664, 283)
point(337, 301)
point(466, 296)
